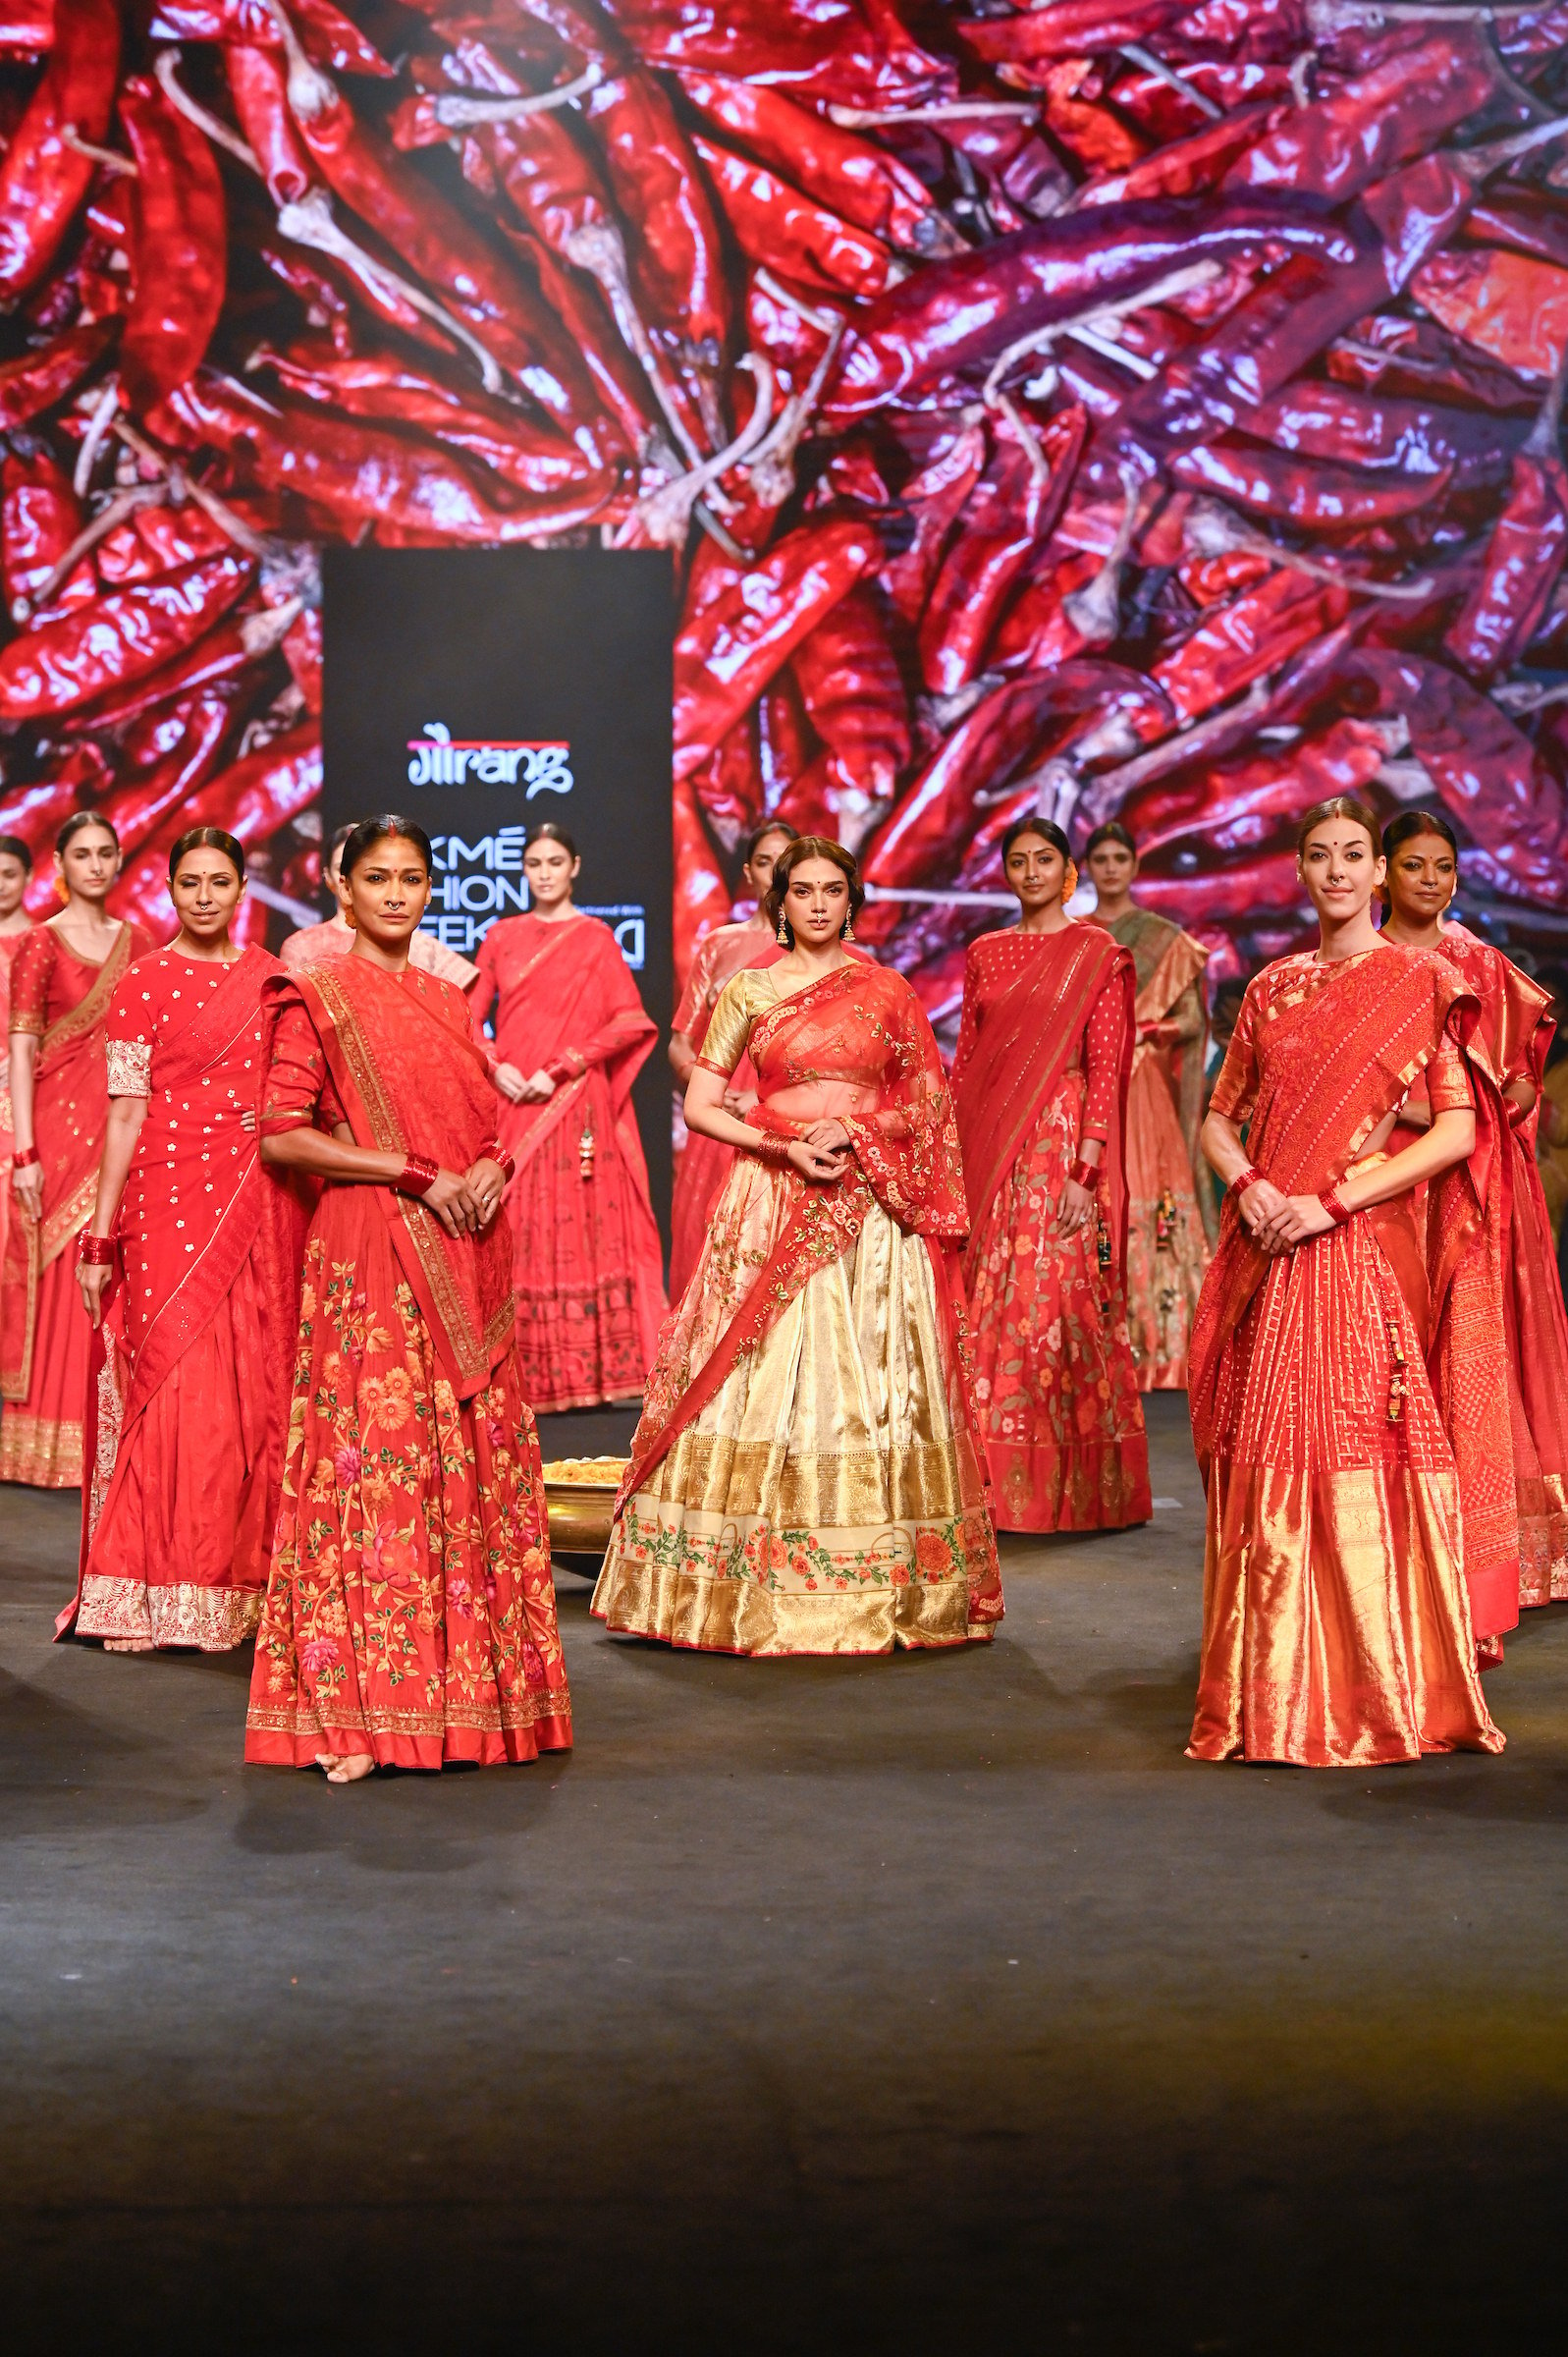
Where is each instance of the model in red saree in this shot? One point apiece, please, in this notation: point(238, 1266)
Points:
point(804, 1479)
point(1045, 1049)
point(189, 1402)
point(1167, 1250)
point(44, 1332)
point(589, 1268)
point(1337, 1624)
point(410, 1612)
point(1512, 1040)
point(705, 1162)
point(10, 943)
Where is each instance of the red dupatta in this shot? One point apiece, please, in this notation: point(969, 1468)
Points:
point(864, 1024)
point(70, 1110)
point(412, 1080)
point(1333, 1061)
point(1016, 1051)
point(568, 1002)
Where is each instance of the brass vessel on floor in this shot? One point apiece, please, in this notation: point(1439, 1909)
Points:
point(581, 1494)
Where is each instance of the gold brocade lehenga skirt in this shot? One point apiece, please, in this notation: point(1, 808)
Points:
point(827, 1499)
point(1336, 1621)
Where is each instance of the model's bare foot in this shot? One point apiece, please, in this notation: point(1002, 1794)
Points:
point(129, 1645)
point(346, 1768)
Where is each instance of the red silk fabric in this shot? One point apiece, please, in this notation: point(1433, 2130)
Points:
point(412, 1080)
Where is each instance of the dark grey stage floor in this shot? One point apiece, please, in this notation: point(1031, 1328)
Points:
point(936, 2003)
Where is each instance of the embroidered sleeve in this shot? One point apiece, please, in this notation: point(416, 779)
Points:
point(1102, 1059)
point(299, 1087)
point(30, 972)
point(1448, 1081)
point(1237, 1089)
point(729, 1029)
point(130, 1063)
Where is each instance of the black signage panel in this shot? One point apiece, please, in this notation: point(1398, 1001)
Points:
point(480, 691)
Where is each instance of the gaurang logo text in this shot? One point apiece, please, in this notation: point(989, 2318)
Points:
point(441, 759)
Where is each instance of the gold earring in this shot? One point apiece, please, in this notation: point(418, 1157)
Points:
point(848, 932)
point(781, 936)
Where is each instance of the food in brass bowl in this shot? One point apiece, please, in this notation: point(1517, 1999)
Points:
point(581, 1494)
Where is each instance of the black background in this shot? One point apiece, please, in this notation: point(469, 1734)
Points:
point(519, 644)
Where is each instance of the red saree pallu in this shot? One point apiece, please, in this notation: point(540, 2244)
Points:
point(10, 943)
point(409, 1614)
point(45, 1331)
point(705, 1162)
point(189, 1404)
point(805, 1477)
point(589, 1266)
point(1044, 1058)
point(1512, 1039)
point(1168, 1248)
point(1337, 1628)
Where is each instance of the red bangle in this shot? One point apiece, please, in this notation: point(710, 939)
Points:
point(96, 1251)
point(1335, 1206)
point(494, 1151)
point(769, 1148)
point(23, 1158)
point(1085, 1173)
point(1250, 1177)
point(419, 1175)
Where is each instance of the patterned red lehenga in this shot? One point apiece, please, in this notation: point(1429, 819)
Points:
point(1512, 1039)
point(705, 1162)
point(1337, 1628)
point(804, 1479)
point(190, 1406)
point(410, 1612)
point(589, 1268)
point(1167, 1250)
point(1044, 1046)
point(44, 1332)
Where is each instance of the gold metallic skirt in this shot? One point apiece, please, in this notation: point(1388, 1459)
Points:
point(827, 1499)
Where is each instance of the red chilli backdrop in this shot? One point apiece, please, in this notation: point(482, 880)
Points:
point(1123, 408)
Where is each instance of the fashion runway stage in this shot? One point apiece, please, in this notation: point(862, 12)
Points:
point(931, 2004)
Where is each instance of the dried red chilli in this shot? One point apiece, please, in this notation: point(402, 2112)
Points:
point(179, 246)
point(45, 176)
point(117, 637)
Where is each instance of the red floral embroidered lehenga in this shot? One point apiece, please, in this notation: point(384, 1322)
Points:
point(1044, 1046)
point(705, 1162)
point(1167, 1250)
point(187, 1418)
point(804, 1479)
point(410, 1612)
point(589, 1269)
point(44, 1332)
point(1338, 1627)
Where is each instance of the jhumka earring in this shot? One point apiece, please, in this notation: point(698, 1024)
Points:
point(848, 932)
point(781, 936)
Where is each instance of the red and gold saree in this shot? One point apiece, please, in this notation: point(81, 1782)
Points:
point(189, 1404)
point(804, 1479)
point(704, 1165)
point(44, 1333)
point(1338, 1627)
point(1045, 1049)
point(1168, 1248)
point(10, 943)
point(1512, 1039)
point(410, 1612)
point(589, 1267)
